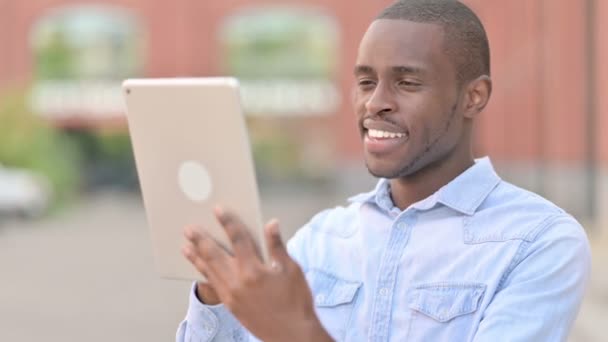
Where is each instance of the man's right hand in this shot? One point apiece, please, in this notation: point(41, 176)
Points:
point(272, 301)
point(206, 294)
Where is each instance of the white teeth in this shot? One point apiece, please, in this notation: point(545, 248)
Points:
point(374, 133)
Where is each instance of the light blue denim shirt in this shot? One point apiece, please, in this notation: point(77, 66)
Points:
point(479, 260)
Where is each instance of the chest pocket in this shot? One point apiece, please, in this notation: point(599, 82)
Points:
point(444, 311)
point(334, 300)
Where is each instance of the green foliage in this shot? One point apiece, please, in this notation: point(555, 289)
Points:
point(107, 159)
point(27, 142)
point(276, 157)
point(280, 44)
point(115, 145)
point(55, 60)
point(114, 156)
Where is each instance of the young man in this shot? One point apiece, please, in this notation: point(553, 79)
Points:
point(441, 250)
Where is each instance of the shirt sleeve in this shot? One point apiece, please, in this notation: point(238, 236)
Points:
point(205, 323)
point(541, 294)
point(302, 243)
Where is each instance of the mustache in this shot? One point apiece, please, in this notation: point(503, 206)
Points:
point(378, 118)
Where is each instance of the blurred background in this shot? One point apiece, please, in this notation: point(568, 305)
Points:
point(75, 256)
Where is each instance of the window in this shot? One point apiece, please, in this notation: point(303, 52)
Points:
point(285, 59)
point(81, 54)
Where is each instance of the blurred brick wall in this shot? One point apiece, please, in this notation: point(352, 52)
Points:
point(539, 108)
point(602, 79)
point(537, 112)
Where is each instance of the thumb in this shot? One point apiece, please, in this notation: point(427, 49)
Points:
point(276, 247)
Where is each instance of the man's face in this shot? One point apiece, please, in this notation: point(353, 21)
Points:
point(406, 98)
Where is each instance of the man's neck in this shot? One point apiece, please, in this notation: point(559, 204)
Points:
point(408, 190)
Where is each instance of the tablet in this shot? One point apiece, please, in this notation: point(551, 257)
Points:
point(192, 152)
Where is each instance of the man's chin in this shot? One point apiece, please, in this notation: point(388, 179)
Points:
point(387, 172)
point(385, 169)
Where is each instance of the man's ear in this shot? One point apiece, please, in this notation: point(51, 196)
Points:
point(477, 95)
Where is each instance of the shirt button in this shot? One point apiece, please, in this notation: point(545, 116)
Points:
point(319, 298)
point(384, 291)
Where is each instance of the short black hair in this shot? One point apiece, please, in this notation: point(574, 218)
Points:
point(465, 38)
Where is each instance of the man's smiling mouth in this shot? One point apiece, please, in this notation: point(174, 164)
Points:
point(379, 134)
point(382, 142)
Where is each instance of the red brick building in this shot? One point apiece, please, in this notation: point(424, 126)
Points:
point(543, 125)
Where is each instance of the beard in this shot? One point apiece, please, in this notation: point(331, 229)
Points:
point(433, 153)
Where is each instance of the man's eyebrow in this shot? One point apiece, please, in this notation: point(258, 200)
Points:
point(399, 69)
point(363, 69)
point(402, 69)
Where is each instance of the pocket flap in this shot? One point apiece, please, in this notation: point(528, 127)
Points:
point(444, 301)
point(329, 290)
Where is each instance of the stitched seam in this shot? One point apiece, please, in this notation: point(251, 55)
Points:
point(355, 303)
point(390, 243)
point(446, 287)
point(450, 285)
point(541, 227)
point(476, 204)
point(518, 257)
point(514, 262)
point(334, 277)
point(528, 236)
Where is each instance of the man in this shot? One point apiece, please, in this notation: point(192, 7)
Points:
point(441, 250)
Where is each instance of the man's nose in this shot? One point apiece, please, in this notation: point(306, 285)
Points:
point(380, 102)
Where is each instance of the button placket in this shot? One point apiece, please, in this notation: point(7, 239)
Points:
point(382, 308)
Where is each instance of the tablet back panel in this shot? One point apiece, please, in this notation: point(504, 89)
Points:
point(192, 152)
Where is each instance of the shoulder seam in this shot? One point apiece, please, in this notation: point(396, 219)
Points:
point(526, 243)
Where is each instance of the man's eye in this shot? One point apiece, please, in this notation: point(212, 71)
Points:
point(409, 83)
point(366, 83)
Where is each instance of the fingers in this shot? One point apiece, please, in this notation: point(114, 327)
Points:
point(243, 245)
point(276, 247)
point(207, 256)
point(189, 252)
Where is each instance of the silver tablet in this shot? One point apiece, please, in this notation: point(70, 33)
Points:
point(192, 152)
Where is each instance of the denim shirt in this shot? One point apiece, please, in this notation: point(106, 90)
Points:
point(479, 260)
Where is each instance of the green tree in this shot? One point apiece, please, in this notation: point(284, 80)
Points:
point(28, 142)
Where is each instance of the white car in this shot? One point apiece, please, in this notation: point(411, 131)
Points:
point(23, 193)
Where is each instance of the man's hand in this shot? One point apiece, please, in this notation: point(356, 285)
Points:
point(206, 294)
point(272, 301)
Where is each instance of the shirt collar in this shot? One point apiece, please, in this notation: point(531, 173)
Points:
point(464, 193)
point(381, 188)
